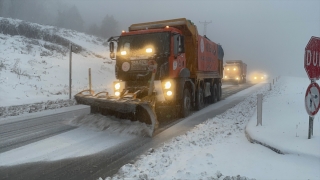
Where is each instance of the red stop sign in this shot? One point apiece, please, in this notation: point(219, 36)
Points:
point(312, 58)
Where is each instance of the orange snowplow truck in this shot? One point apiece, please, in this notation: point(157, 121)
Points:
point(165, 67)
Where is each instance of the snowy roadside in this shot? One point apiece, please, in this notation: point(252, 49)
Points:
point(35, 107)
point(217, 147)
point(192, 156)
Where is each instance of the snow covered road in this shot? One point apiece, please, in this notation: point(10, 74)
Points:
point(95, 144)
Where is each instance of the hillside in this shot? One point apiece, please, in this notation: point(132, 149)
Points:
point(34, 66)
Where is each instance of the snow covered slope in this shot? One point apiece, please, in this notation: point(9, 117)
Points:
point(34, 65)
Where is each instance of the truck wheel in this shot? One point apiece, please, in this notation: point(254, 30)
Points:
point(185, 104)
point(199, 98)
point(219, 92)
point(215, 93)
point(211, 97)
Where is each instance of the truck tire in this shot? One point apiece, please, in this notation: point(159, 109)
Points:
point(211, 98)
point(199, 98)
point(219, 92)
point(185, 104)
point(215, 93)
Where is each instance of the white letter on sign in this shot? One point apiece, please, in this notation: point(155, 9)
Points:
point(308, 57)
point(318, 58)
point(315, 59)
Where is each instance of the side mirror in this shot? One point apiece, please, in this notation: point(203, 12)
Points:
point(111, 46)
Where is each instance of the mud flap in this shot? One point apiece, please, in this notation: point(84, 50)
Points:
point(145, 113)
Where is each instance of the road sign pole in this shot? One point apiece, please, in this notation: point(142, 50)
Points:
point(310, 132)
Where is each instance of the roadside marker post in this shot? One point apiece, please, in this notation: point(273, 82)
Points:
point(90, 85)
point(270, 87)
point(259, 109)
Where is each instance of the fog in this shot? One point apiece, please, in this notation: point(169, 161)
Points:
point(270, 36)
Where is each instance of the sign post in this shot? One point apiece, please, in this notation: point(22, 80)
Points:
point(70, 69)
point(312, 104)
point(312, 67)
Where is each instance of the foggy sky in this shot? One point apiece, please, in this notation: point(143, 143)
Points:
point(269, 36)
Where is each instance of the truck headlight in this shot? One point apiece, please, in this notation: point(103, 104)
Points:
point(168, 88)
point(117, 86)
point(149, 50)
point(123, 53)
point(167, 85)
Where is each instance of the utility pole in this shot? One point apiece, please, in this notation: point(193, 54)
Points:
point(70, 69)
point(205, 23)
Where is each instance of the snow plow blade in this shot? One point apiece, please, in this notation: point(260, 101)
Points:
point(132, 109)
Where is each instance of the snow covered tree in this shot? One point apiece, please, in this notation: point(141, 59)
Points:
point(13, 9)
point(31, 10)
point(109, 27)
point(70, 19)
point(1, 8)
point(94, 30)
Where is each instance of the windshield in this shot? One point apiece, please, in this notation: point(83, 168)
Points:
point(144, 45)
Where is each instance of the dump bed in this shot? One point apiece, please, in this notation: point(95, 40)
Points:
point(207, 55)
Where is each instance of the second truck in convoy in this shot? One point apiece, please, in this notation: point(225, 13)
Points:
point(235, 71)
point(164, 68)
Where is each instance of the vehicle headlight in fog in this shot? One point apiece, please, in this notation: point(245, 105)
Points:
point(149, 50)
point(123, 53)
point(117, 86)
point(169, 93)
point(167, 85)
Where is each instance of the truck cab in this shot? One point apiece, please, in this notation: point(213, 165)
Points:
point(170, 61)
